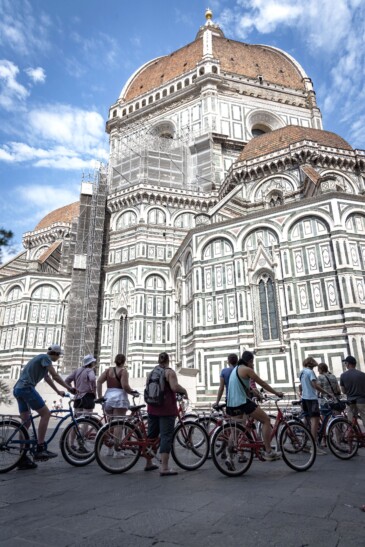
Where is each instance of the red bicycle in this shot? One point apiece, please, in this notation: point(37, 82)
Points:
point(122, 441)
point(235, 444)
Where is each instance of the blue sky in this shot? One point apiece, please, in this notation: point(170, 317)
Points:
point(64, 62)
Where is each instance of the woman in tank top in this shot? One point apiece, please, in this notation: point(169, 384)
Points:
point(118, 387)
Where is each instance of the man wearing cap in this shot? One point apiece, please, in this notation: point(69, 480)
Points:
point(352, 384)
point(37, 369)
point(309, 386)
point(84, 380)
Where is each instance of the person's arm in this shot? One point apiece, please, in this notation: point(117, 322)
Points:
point(249, 373)
point(102, 378)
point(124, 382)
point(343, 389)
point(57, 378)
point(220, 390)
point(317, 386)
point(175, 386)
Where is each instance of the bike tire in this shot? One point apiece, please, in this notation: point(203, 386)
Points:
point(342, 439)
point(11, 452)
point(231, 451)
point(190, 445)
point(297, 446)
point(77, 444)
point(209, 423)
point(117, 446)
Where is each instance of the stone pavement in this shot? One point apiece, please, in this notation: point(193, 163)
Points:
point(58, 505)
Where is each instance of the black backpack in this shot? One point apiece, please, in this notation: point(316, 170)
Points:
point(154, 393)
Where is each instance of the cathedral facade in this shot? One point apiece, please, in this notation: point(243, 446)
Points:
point(226, 219)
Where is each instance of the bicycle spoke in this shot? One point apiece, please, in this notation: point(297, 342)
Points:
point(11, 448)
point(190, 445)
point(297, 446)
point(77, 442)
point(342, 439)
point(117, 447)
point(232, 453)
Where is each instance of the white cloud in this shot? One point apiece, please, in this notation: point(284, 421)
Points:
point(37, 75)
point(21, 30)
point(82, 130)
point(47, 196)
point(11, 91)
point(66, 138)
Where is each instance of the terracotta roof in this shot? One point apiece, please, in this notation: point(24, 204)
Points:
point(235, 57)
point(256, 60)
point(283, 137)
point(63, 214)
point(47, 253)
point(165, 69)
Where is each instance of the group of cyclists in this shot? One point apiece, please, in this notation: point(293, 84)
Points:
point(238, 380)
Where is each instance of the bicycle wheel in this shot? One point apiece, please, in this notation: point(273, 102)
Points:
point(297, 446)
point(209, 423)
point(342, 439)
point(11, 450)
point(232, 451)
point(190, 445)
point(117, 446)
point(77, 442)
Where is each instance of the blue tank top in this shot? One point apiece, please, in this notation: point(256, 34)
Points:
point(236, 394)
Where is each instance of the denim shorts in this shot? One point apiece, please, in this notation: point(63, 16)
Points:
point(27, 398)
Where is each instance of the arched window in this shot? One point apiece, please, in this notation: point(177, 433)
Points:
point(186, 82)
point(115, 113)
point(123, 284)
point(46, 317)
point(129, 218)
point(268, 308)
point(172, 89)
point(217, 248)
point(185, 220)
point(150, 99)
point(156, 216)
point(45, 292)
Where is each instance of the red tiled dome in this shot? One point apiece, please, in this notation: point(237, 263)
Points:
point(62, 215)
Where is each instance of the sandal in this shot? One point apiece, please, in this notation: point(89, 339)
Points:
point(152, 468)
point(168, 473)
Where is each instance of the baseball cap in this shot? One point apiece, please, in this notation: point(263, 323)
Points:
point(55, 348)
point(88, 359)
point(350, 360)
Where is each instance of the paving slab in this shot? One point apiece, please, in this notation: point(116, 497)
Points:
point(58, 505)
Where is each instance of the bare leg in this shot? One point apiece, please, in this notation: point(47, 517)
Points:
point(262, 417)
point(164, 461)
point(314, 427)
point(43, 423)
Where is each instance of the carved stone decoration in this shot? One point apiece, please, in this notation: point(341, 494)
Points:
point(201, 219)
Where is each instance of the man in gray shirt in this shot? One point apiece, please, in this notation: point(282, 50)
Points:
point(37, 369)
point(352, 383)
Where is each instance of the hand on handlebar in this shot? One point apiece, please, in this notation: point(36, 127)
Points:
point(280, 394)
point(135, 393)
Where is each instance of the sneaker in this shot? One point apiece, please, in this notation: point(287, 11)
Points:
point(230, 465)
point(26, 463)
point(82, 450)
point(42, 454)
point(271, 456)
point(321, 452)
point(242, 459)
point(109, 451)
point(119, 454)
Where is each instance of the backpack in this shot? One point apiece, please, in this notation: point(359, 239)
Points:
point(154, 393)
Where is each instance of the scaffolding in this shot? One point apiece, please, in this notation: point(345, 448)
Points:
point(84, 301)
point(158, 156)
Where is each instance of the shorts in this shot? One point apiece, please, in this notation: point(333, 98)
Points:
point(87, 402)
point(28, 398)
point(311, 407)
point(247, 408)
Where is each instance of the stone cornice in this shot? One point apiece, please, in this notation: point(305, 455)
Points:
point(292, 156)
point(181, 198)
point(46, 235)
